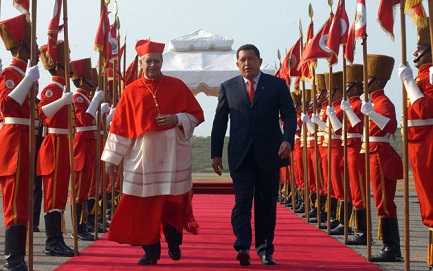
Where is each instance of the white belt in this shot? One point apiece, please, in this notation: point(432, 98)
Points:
point(310, 138)
point(58, 131)
point(297, 137)
point(379, 139)
point(320, 133)
point(354, 135)
point(20, 121)
point(85, 128)
point(419, 122)
point(333, 136)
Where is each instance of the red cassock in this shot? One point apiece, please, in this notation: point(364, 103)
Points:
point(84, 146)
point(355, 159)
point(14, 158)
point(137, 220)
point(420, 144)
point(53, 159)
point(386, 166)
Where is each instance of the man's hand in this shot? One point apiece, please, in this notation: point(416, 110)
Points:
point(166, 120)
point(110, 168)
point(285, 150)
point(217, 164)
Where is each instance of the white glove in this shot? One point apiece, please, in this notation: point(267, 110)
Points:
point(19, 93)
point(345, 105)
point(367, 109)
point(315, 119)
point(52, 108)
point(110, 115)
point(310, 125)
point(404, 72)
point(94, 104)
point(335, 122)
point(406, 76)
point(431, 75)
point(99, 96)
point(353, 118)
point(1, 66)
point(105, 107)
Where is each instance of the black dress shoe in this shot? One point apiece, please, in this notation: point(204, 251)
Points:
point(146, 260)
point(267, 259)
point(175, 253)
point(243, 257)
point(36, 228)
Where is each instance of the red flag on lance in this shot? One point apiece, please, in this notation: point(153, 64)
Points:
point(416, 11)
point(53, 30)
point(113, 40)
point(293, 58)
point(385, 16)
point(357, 30)
point(22, 5)
point(102, 33)
point(306, 67)
point(284, 69)
point(131, 72)
point(338, 31)
point(317, 47)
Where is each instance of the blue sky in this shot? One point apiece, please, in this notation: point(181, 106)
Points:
point(270, 25)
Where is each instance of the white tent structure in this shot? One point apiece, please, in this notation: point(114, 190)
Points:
point(203, 60)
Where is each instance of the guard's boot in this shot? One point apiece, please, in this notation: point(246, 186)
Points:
point(174, 240)
point(391, 242)
point(109, 205)
point(55, 244)
point(313, 206)
point(339, 229)
point(152, 254)
point(82, 233)
point(360, 234)
point(321, 202)
point(90, 222)
point(333, 221)
point(15, 248)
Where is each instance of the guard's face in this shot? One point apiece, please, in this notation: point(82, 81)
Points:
point(151, 65)
point(248, 64)
point(422, 55)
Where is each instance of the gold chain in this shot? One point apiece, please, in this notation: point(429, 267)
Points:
point(154, 93)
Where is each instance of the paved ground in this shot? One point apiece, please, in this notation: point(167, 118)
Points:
point(418, 237)
point(418, 241)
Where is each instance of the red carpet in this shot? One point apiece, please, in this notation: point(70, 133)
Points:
point(298, 246)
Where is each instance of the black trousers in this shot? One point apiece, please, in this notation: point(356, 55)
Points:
point(250, 182)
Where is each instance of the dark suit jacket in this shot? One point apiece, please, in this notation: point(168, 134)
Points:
point(255, 124)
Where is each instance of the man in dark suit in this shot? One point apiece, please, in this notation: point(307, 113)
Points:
point(257, 149)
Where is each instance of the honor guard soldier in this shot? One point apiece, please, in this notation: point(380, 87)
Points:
point(85, 138)
point(420, 128)
point(16, 81)
point(355, 159)
point(386, 166)
point(53, 160)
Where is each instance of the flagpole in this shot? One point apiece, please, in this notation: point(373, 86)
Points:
point(70, 127)
point(304, 140)
point(329, 128)
point(367, 149)
point(33, 59)
point(405, 143)
point(316, 147)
